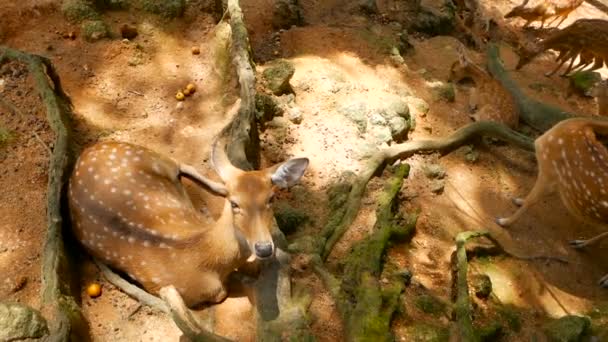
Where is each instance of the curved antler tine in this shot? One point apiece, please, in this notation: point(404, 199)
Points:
point(220, 161)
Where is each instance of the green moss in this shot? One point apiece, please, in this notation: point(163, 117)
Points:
point(278, 75)
point(5, 136)
point(582, 81)
point(567, 329)
point(430, 305)
point(490, 332)
point(511, 316)
point(93, 30)
point(112, 4)
point(445, 92)
point(423, 332)
point(384, 43)
point(165, 8)
point(289, 218)
point(79, 10)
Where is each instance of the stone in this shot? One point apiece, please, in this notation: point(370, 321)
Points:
point(567, 329)
point(382, 134)
point(377, 119)
point(443, 91)
point(78, 10)
point(294, 115)
point(482, 285)
point(364, 150)
point(278, 75)
point(399, 128)
point(434, 171)
point(400, 108)
point(357, 113)
point(266, 107)
point(165, 8)
point(437, 186)
point(286, 13)
point(18, 322)
point(417, 106)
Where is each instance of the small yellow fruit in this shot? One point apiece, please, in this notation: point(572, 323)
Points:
point(187, 92)
point(94, 290)
point(180, 96)
point(191, 87)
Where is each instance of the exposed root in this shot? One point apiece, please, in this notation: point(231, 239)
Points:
point(337, 226)
point(367, 307)
point(58, 302)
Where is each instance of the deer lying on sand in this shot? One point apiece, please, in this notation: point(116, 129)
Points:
point(130, 210)
point(541, 10)
point(574, 162)
point(490, 100)
point(587, 38)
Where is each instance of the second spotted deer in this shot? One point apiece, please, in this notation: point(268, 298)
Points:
point(541, 10)
point(585, 38)
point(574, 162)
point(490, 101)
point(130, 210)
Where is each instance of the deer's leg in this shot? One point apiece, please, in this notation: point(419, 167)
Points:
point(543, 185)
point(569, 66)
point(563, 18)
point(599, 62)
point(191, 173)
point(578, 244)
point(553, 20)
point(565, 58)
point(604, 281)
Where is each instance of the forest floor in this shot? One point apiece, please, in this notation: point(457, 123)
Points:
point(124, 90)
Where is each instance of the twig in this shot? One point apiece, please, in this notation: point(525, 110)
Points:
point(135, 92)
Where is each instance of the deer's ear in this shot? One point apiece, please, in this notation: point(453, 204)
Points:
point(288, 173)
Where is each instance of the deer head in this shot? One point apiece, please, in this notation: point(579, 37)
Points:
point(249, 194)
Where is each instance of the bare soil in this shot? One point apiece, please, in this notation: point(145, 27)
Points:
point(124, 90)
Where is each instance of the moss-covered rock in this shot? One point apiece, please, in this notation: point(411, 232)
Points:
point(112, 4)
point(582, 82)
point(430, 305)
point(94, 30)
point(435, 17)
point(433, 171)
point(79, 10)
point(443, 91)
point(266, 108)
point(165, 8)
point(567, 329)
point(278, 75)
point(356, 112)
point(19, 322)
point(482, 285)
point(491, 332)
point(289, 218)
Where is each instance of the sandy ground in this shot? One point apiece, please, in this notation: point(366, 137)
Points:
point(125, 91)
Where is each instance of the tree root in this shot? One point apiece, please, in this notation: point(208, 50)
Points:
point(57, 299)
point(340, 220)
point(365, 306)
point(460, 264)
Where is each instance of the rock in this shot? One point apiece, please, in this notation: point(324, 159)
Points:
point(399, 128)
point(381, 134)
point(94, 30)
point(400, 108)
point(165, 8)
point(435, 17)
point(278, 122)
point(128, 32)
point(417, 106)
point(582, 82)
point(266, 108)
point(364, 150)
point(357, 113)
point(289, 218)
point(377, 119)
point(294, 115)
point(434, 171)
point(403, 45)
point(471, 155)
point(437, 186)
point(79, 10)
point(405, 276)
point(278, 75)
point(482, 285)
point(18, 322)
point(286, 14)
point(567, 329)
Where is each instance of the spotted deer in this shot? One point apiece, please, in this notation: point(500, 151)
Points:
point(490, 101)
point(574, 162)
point(130, 210)
point(541, 10)
point(585, 38)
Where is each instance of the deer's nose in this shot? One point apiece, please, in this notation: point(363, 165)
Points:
point(263, 249)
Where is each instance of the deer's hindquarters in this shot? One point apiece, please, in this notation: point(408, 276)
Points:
point(130, 210)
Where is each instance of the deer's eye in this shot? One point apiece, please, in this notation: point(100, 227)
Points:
point(234, 205)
